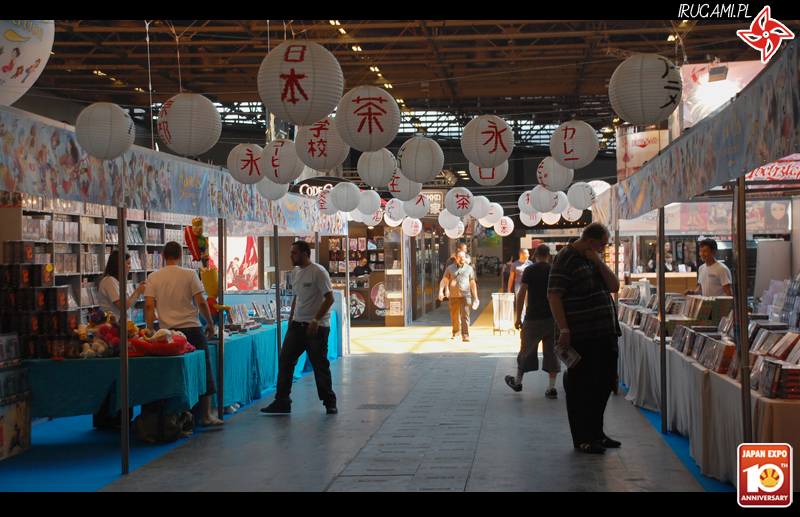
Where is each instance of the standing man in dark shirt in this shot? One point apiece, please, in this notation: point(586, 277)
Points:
point(458, 284)
point(579, 292)
point(539, 324)
point(362, 269)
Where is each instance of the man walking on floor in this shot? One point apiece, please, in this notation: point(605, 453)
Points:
point(309, 327)
point(458, 284)
point(539, 324)
point(579, 291)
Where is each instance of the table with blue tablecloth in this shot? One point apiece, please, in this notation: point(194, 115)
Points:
point(79, 386)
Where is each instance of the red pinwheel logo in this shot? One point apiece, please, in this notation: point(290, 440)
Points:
point(765, 34)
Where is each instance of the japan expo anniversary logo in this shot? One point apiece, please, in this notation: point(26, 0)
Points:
point(765, 475)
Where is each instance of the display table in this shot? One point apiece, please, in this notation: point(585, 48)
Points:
point(79, 386)
point(674, 282)
point(704, 406)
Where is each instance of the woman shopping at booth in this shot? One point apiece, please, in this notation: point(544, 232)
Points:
point(109, 287)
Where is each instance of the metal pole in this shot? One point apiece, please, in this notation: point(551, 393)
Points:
point(222, 242)
point(122, 248)
point(662, 318)
point(316, 246)
point(741, 305)
point(277, 255)
point(261, 263)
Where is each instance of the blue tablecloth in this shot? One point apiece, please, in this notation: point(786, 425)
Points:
point(79, 386)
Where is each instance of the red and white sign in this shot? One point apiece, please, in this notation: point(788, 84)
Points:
point(368, 118)
point(765, 475)
point(765, 34)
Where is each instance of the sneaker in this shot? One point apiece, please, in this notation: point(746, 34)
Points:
point(454, 335)
point(608, 443)
point(591, 448)
point(512, 384)
point(466, 338)
point(277, 408)
point(551, 393)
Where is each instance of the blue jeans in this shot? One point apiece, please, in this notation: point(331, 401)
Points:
point(295, 342)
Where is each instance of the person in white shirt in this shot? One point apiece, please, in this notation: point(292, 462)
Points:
point(108, 289)
point(713, 278)
point(309, 327)
point(170, 292)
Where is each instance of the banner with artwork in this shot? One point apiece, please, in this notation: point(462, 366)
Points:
point(760, 126)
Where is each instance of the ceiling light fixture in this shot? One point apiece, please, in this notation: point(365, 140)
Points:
point(334, 22)
point(342, 30)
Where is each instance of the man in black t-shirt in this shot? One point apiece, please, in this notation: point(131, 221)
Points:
point(362, 269)
point(539, 324)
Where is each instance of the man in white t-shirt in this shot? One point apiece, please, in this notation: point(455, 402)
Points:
point(170, 292)
point(713, 278)
point(309, 327)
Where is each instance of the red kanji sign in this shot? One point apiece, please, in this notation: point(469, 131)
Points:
point(295, 54)
point(163, 130)
point(462, 201)
point(250, 161)
point(488, 175)
point(293, 81)
point(494, 135)
point(276, 163)
point(568, 136)
point(370, 116)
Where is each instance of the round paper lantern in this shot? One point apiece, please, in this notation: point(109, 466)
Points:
point(411, 226)
point(542, 200)
point(245, 164)
point(27, 45)
point(376, 168)
point(530, 219)
point(370, 202)
point(458, 201)
point(495, 214)
point(354, 215)
point(504, 227)
point(189, 124)
point(417, 207)
point(553, 176)
point(574, 144)
point(368, 118)
point(487, 141)
point(281, 163)
point(105, 131)
point(645, 89)
point(319, 145)
point(324, 203)
point(372, 219)
point(403, 188)
point(488, 176)
point(524, 203)
point(572, 214)
point(447, 220)
point(300, 82)
point(271, 190)
point(550, 217)
point(455, 233)
point(346, 196)
point(480, 207)
point(599, 187)
point(395, 210)
point(581, 195)
point(562, 203)
point(391, 222)
point(420, 158)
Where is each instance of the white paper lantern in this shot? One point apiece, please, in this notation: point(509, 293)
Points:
point(542, 200)
point(480, 207)
point(324, 202)
point(504, 227)
point(189, 124)
point(354, 216)
point(562, 203)
point(105, 131)
point(487, 141)
point(571, 214)
point(411, 226)
point(599, 187)
point(367, 118)
point(458, 201)
point(370, 202)
point(345, 196)
point(447, 220)
point(394, 210)
point(455, 233)
point(403, 188)
point(550, 217)
point(27, 45)
point(376, 168)
point(574, 144)
point(581, 195)
point(319, 145)
point(417, 207)
point(391, 222)
point(530, 219)
point(553, 176)
point(271, 190)
point(372, 219)
point(300, 82)
point(420, 158)
point(280, 161)
point(488, 176)
point(495, 214)
point(245, 164)
point(645, 89)
point(524, 203)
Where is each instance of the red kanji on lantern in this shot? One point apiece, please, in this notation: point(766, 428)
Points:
point(295, 54)
point(494, 134)
point(165, 107)
point(393, 185)
point(163, 130)
point(319, 127)
point(276, 163)
point(568, 151)
point(420, 199)
point(293, 81)
point(318, 146)
point(251, 162)
point(488, 176)
point(462, 201)
point(366, 112)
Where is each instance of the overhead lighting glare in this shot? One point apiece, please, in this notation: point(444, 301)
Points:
point(374, 69)
point(98, 72)
point(400, 101)
point(356, 48)
point(671, 37)
point(387, 85)
point(139, 90)
point(342, 30)
point(334, 22)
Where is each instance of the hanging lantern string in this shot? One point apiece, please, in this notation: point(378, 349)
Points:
point(178, 50)
point(150, 85)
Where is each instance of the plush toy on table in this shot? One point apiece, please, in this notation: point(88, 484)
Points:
point(210, 279)
point(196, 241)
